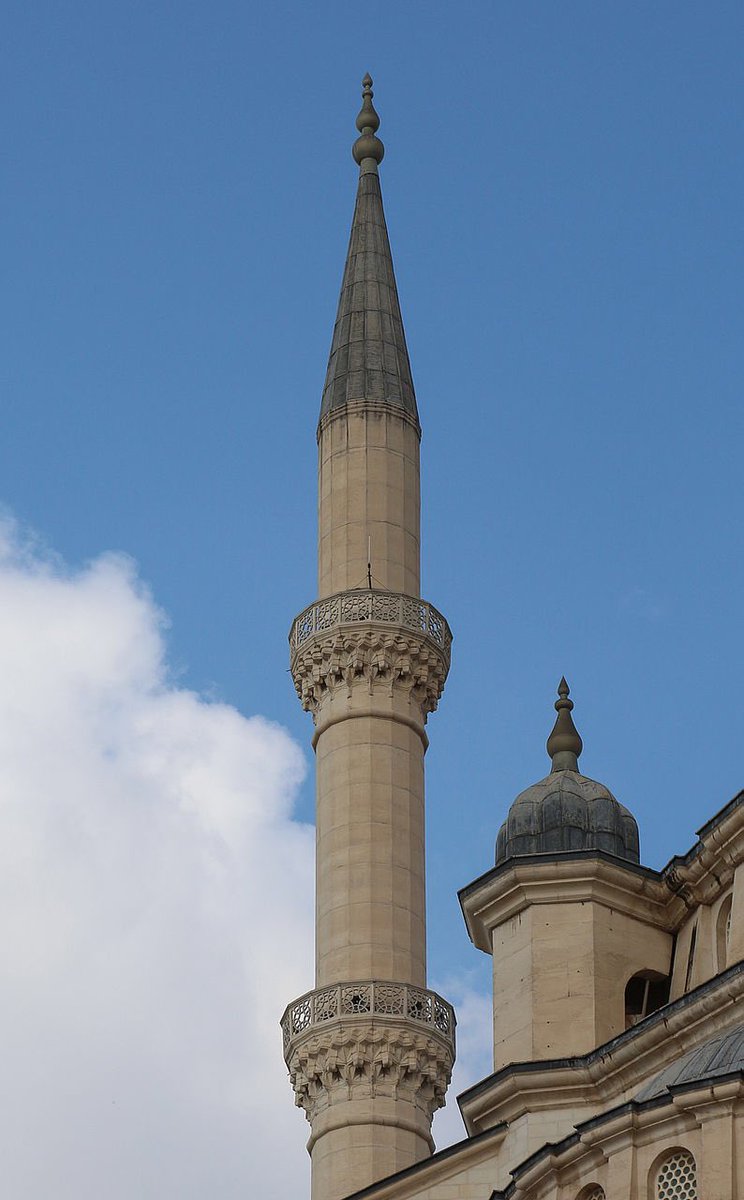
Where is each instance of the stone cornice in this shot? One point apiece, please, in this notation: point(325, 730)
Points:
point(565, 878)
point(616, 1069)
point(362, 407)
point(704, 873)
point(594, 1141)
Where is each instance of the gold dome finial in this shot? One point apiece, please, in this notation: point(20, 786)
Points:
point(564, 744)
point(368, 146)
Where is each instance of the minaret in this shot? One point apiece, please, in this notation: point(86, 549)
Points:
point(370, 1050)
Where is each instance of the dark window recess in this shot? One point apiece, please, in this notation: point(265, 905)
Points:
point(691, 959)
point(645, 993)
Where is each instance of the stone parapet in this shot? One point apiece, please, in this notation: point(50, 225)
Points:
point(369, 1040)
point(374, 638)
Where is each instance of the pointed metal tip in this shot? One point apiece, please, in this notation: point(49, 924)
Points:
point(368, 148)
point(564, 744)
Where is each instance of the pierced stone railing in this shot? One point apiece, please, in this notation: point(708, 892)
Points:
point(371, 998)
point(388, 608)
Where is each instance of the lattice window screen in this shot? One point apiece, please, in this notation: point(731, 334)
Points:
point(677, 1178)
point(594, 1193)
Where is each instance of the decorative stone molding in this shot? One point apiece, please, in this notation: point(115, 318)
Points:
point(369, 1039)
point(370, 637)
point(365, 407)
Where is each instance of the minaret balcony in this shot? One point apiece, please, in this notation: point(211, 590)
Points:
point(370, 635)
point(369, 1038)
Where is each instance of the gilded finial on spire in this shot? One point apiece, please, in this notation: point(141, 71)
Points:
point(367, 150)
point(564, 744)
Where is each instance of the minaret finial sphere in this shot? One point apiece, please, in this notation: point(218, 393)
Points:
point(368, 146)
point(564, 744)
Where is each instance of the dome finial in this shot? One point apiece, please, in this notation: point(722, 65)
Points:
point(564, 744)
point(367, 150)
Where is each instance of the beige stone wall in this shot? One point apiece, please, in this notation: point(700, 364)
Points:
point(369, 487)
point(358, 1150)
point(473, 1183)
point(560, 972)
point(623, 947)
point(371, 889)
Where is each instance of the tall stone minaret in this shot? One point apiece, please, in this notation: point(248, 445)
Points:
point(370, 1050)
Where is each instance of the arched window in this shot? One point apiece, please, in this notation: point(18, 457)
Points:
point(592, 1192)
point(723, 933)
point(676, 1177)
point(644, 993)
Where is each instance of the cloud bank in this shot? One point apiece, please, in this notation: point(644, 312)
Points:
point(154, 913)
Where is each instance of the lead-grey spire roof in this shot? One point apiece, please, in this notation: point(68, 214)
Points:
point(369, 356)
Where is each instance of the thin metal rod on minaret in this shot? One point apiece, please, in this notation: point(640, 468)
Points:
point(369, 561)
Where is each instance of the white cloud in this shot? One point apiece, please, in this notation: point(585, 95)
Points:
point(154, 907)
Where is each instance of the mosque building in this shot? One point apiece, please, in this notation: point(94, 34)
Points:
point(618, 1024)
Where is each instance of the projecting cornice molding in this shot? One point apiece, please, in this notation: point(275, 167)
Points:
point(570, 877)
point(374, 409)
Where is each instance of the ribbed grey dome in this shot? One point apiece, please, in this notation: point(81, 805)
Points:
point(720, 1056)
point(567, 811)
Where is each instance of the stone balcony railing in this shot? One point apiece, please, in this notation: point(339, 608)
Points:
point(354, 1001)
point(370, 605)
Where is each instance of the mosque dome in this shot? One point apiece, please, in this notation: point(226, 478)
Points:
point(722, 1055)
point(566, 810)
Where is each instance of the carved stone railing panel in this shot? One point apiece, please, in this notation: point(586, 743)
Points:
point(389, 608)
point(369, 998)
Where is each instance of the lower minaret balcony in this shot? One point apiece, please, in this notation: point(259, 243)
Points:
point(376, 638)
point(369, 1039)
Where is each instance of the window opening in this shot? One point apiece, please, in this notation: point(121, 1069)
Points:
point(691, 958)
point(723, 932)
point(644, 993)
point(677, 1177)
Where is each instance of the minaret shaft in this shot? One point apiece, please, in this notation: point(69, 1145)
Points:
point(369, 501)
point(370, 897)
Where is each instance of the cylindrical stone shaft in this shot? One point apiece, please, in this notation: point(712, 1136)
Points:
point(369, 502)
point(370, 852)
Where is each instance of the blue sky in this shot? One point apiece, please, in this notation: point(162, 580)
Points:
point(563, 187)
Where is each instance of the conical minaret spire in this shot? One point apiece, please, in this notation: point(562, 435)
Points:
point(369, 358)
point(370, 1049)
